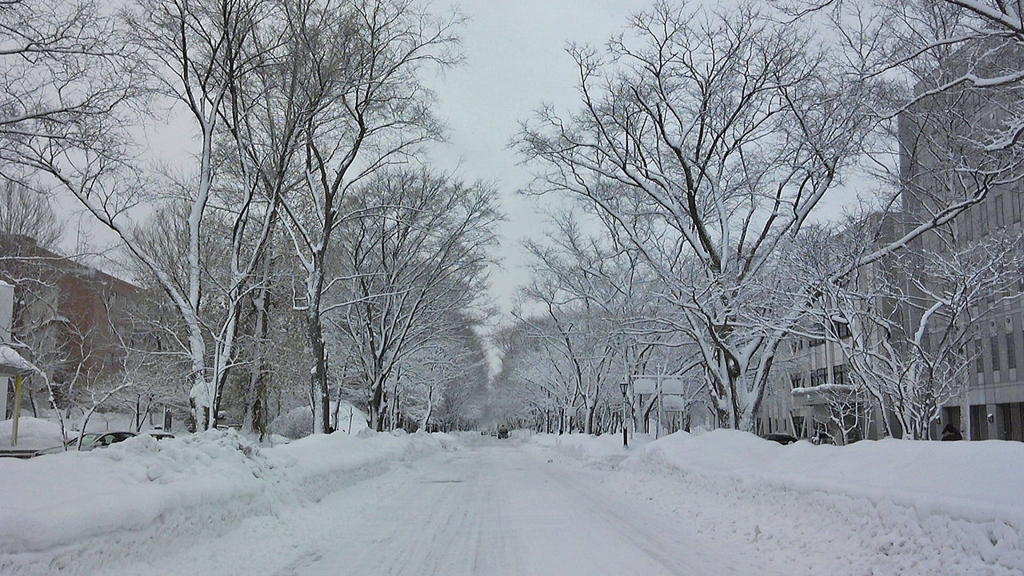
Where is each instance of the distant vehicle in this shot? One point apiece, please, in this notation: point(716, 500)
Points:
point(502, 432)
point(780, 438)
point(90, 441)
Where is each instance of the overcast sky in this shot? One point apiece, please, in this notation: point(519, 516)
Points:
point(515, 60)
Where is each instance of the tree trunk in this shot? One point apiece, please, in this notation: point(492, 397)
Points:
point(376, 413)
point(591, 411)
point(255, 419)
point(318, 391)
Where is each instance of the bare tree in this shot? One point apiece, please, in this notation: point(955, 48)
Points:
point(227, 65)
point(708, 142)
point(367, 108)
point(214, 58)
point(535, 383)
point(65, 73)
point(585, 290)
point(414, 261)
point(441, 377)
point(706, 147)
point(28, 213)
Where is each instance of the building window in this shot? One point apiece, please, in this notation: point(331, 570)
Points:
point(1011, 351)
point(812, 342)
point(1011, 421)
point(982, 219)
point(798, 426)
point(979, 422)
point(819, 376)
point(839, 372)
point(998, 205)
point(1015, 200)
point(796, 380)
point(979, 360)
point(994, 346)
point(842, 330)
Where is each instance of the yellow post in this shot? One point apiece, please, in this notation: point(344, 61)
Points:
point(17, 410)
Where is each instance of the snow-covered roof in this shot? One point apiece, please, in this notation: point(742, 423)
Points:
point(12, 364)
point(825, 388)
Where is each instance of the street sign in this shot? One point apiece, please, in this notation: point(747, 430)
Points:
point(651, 385)
point(673, 403)
point(645, 385)
point(672, 385)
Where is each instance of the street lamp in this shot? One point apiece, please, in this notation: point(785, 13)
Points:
point(624, 385)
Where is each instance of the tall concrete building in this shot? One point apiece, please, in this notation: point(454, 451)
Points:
point(946, 154)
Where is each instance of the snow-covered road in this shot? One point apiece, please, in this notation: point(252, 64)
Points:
point(719, 503)
point(491, 508)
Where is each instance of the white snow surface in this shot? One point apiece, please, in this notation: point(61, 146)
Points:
point(13, 363)
point(32, 433)
point(890, 507)
point(722, 502)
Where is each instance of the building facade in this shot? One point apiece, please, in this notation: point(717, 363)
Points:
point(68, 318)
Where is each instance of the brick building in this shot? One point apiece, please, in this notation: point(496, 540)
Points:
point(67, 317)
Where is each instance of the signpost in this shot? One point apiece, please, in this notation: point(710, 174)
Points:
point(670, 391)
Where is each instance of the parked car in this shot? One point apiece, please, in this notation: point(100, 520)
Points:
point(502, 432)
point(780, 438)
point(107, 438)
point(90, 441)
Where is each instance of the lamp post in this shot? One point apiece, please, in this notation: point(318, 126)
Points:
point(624, 385)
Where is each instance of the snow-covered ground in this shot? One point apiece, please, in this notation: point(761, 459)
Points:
point(718, 503)
point(890, 507)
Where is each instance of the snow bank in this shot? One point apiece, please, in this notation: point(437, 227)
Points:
point(599, 451)
point(32, 433)
point(75, 511)
point(297, 423)
point(973, 480)
point(871, 508)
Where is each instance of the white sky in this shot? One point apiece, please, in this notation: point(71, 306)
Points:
point(515, 61)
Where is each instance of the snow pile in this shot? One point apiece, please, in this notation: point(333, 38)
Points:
point(297, 423)
point(871, 508)
point(966, 479)
point(32, 433)
point(596, 451)
point(75, 511)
